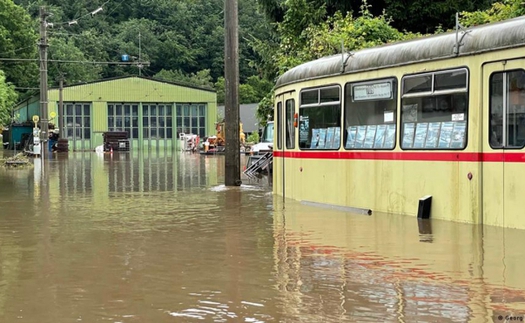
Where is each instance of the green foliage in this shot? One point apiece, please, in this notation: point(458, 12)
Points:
point(201, 78)
point(17, 40)
point(252, 91)
point(425, 15)
point(364, 31)
point(247, 94)
point(497, 12)
point(62, 49)
point(183, 35)
point(418, 16)
point(220, 88)
point(265, 109)
point(254, 137)
point(8, 98)
point(307, 32)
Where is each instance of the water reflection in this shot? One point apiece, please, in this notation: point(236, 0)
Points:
point(157, 237)
point(379, 272)
point(425, 230)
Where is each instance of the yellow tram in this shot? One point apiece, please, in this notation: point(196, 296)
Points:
point(381, 128)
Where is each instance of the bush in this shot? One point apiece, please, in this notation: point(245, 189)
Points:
point(254, 137)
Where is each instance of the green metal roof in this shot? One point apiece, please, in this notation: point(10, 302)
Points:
point(141, 77)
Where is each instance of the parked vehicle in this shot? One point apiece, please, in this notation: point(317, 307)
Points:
point(265, 143)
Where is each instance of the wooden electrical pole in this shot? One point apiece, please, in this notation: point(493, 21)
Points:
point(44, 136)
point(61, 127)
point(231, 104)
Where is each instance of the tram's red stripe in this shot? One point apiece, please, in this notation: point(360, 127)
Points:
point(406, 155)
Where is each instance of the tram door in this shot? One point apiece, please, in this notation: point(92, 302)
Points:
point(285, 140)
point(503, 143)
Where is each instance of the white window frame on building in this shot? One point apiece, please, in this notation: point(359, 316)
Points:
point(77, 126)
point(191, 118)
point(124, 117)
point(157, 121)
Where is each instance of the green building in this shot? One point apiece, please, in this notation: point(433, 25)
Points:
point(152, 112)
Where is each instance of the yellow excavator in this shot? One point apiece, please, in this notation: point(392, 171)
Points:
point(221, 135)
point(217, 143)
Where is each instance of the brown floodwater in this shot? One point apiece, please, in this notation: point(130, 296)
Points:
point(155, 236)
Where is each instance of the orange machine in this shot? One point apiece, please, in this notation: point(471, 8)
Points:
point(221, 137)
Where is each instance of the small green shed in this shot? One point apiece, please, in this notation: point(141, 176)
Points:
point(152, 112)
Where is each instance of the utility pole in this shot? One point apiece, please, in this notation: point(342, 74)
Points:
point(61, 128)
point(140, 59)
point(43, 82)
point(231, 75)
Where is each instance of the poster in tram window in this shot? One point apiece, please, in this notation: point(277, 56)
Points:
point(322, 138)
point(329, 138)
point(446, 134)
point(390, 136)
point(408, 134)
point(421, 135)
point(315, 139)
point(337, 138)
point(370, 136)
point(380, 136)
point(304, 128)
point(432, 135)
point(360, 137)
point(458, 135)
point(350, 139)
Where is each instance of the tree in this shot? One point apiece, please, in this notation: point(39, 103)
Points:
point(260, 85)
point(8, 98)
point(425, 16)
point(17, 40)
point(419, 16)
point(60, 49)
point(497, 12)
point(201, 78)
point(252, 91)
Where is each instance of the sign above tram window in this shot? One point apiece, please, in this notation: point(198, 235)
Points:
point(372, 91)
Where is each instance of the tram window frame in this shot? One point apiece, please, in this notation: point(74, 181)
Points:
point(322, 102)
point(384, 109)
point(506, 105)
point(279, 125)
point(436, 119)
point(290, 128)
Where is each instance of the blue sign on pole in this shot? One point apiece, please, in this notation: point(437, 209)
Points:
point(125, 58)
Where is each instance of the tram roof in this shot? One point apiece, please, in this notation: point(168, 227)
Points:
point(505, 34)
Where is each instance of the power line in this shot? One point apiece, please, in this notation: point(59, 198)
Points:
point(18, 59)
point(74, 62)
point(97, 63)
point(16, 50)
point(75, 20)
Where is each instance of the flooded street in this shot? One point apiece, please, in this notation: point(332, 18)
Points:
point(156, 237)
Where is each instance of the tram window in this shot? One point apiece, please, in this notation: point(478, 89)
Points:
point(279, 125)
point(310, 97)
point(436, 119)
point(507, 109)
point(451, 80)
point(290, 129)
point(320, 118)
point(417, 84)
point(370, 115)
point(329, 95)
